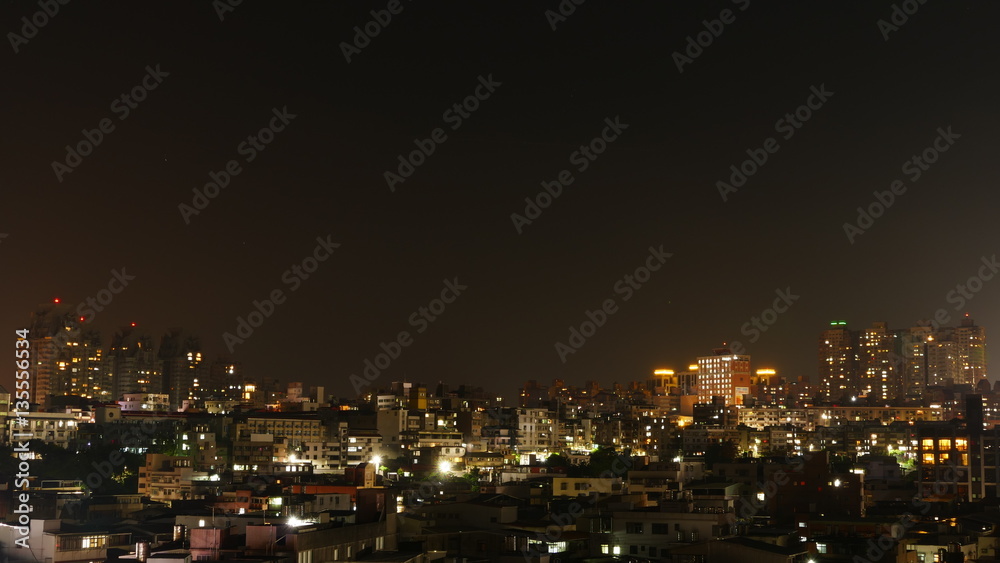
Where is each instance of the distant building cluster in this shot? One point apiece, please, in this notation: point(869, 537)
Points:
point(892, 454)
point(897, 364)
point(71, 360)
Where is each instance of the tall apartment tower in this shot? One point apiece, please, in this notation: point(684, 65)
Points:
point(880, 362)
point(916, 351)
point(947, 355)
point(723, 374)
point(132, 362)
point(184, 376)
point(884, 364)
point(970, 347)
point(838, 361)
point(66, 359)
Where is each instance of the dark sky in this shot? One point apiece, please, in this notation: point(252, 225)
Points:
point(654, 185)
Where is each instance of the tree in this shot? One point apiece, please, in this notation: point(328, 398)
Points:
point(473, 477)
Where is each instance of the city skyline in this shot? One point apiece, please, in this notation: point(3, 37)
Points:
point(665, 173)
point(878, 364)
point(51, 321)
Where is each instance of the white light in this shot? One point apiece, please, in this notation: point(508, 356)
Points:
point(296, 522)
point(444, 466)
point(377, 460)
point(836, 482)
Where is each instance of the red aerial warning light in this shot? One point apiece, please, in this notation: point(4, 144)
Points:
point(56, 300)
point(133, 324)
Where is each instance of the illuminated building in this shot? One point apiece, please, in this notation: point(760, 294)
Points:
point(970, 347)
point(65, 358)
point(663, 381)
point(838, 362)
point(880, 362)
point(132, 362)
point(725, 375)
point(183, 373)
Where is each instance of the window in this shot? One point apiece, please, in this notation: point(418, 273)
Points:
point(633, 549)
point(661, 528)
point(633, 527)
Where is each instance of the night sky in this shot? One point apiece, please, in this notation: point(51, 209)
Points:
point(550, 91)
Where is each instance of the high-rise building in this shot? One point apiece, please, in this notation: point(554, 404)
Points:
point(880, 362)
point(182, 371)
point(65, 359)
point(943, 364)
point(885, 364)
point(970, 347)
point(81, 369)
point(946, 355)
point(916, 352)
point(838, 361)
point(723, 374)
point(132, 362)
